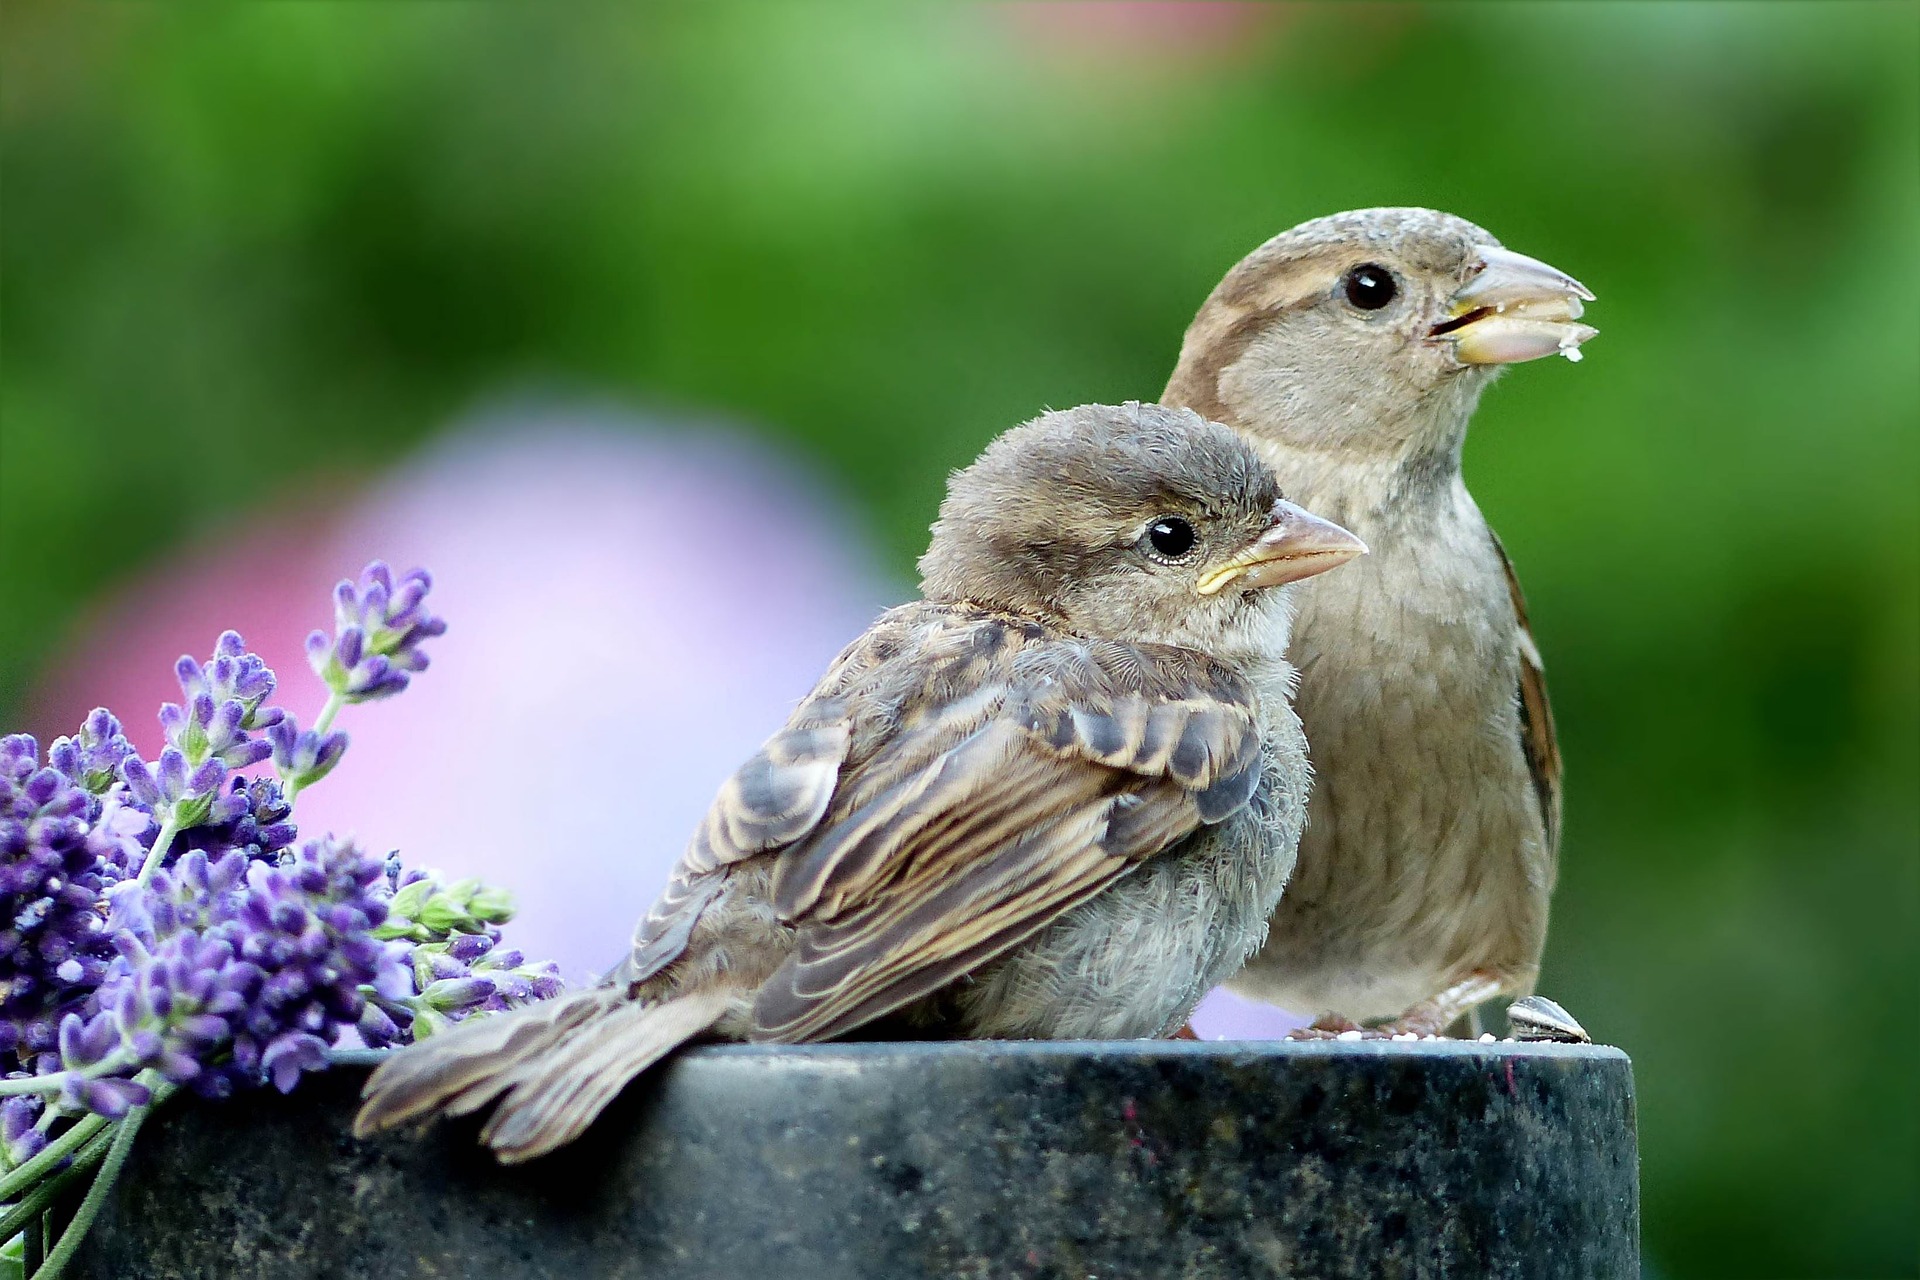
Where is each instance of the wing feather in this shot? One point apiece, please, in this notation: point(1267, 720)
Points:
point(1538, 742)
point(1064, 786)
point(956, 783)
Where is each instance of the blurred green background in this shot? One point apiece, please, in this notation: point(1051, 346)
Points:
point(251, 250)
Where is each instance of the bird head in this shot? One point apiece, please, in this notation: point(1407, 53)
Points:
point(1133, 522)
point(1372, 331)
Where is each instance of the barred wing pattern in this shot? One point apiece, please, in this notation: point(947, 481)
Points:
point(957, 781)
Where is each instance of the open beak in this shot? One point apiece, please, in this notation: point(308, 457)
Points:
point(1515, 308)
point(1298, 544)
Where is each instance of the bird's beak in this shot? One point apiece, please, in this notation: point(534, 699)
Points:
point(1515, 308)
point(1298, 544)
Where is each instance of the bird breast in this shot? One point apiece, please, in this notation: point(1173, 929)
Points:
point(1422, 846)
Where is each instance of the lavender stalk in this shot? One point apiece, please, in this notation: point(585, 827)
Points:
point(162, 926)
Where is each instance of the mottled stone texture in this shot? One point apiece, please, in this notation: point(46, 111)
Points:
point(1131, 1161)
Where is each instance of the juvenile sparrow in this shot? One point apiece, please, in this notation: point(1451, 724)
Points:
point(1056, 797)
point(1351, 351)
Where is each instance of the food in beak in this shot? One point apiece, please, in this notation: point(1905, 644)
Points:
point(1515, 308)
point(1296, 545)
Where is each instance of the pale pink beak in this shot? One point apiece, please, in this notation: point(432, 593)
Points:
point(1515, 308)
point(1298, 544)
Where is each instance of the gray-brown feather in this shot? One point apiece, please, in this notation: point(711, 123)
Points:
point(1435, 815)
point(991, 817)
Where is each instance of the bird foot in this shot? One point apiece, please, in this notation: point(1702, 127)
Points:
point(1425, 1020)
point(1413, 1025)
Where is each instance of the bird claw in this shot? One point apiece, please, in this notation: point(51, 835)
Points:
point(1331, 1026)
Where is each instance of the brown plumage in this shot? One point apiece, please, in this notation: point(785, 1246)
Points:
point(1057, 797)
point(1351, 351)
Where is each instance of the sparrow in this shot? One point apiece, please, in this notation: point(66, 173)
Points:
point(1056, 797)
point(1351, 352)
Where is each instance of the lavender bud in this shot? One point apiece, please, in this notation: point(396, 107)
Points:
point(302, 758)
point(289, 1055)
point(107, 1097)
point(469, 947)
point(19, 1139)
point(376, 1027)
point(92, 757)
point(378, 629)
point(141, 783)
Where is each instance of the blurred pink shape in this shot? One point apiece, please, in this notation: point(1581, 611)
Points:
point(1223, 1015)
point(631, 611)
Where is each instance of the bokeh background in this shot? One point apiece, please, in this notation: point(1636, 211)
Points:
point(655, 332)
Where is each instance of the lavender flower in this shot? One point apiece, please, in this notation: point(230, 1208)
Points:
point(178, 794)
point(310, 926)
point(92, 757)
point(158, 929)
point(303, 757)
point(260, 831)
point(20, 1138)
point(457, 967)
point(378, 627)
point(231, 967)
point(232, 675)
point(208, 735)
point(53, 868)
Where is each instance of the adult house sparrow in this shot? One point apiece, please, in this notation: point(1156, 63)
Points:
point(1056, 797)
point(1351, 351)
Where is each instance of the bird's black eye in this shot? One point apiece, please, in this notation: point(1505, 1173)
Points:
point(1170, 536)
point(1370, 286)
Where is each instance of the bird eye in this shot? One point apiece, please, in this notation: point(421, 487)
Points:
point(1170, 536)
point(1370, 286)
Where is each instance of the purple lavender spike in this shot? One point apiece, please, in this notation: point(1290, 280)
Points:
point(350, 647)
point(141, 782)
point(192, 678)
point(172, 774)
point(204, 780)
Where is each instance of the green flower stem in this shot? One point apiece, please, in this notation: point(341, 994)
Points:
point(335, 701)
point(33, 1248)
point(43, 1196)
point(161, 843)
point(112, 1064)
point(103, 1181)
point(29, 1172)
point(32, 1084)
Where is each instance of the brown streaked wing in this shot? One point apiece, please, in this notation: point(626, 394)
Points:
point(775, 798)
point(1537, 740)
point(1059, 793)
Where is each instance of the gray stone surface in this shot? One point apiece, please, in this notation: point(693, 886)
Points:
point(901, 1161)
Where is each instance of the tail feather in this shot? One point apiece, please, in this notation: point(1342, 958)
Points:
point(552, 1098)
point(459, 1070)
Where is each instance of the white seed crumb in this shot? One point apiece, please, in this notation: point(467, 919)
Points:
point(1349, 1035)
point(1486, 1037)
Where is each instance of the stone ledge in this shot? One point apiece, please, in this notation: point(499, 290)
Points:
point(1137, 1159)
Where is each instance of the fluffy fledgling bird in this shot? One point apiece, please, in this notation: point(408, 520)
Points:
point(1352, 351)
point(1056, 797)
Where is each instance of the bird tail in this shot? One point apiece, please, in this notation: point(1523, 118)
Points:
point(554, 1066)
